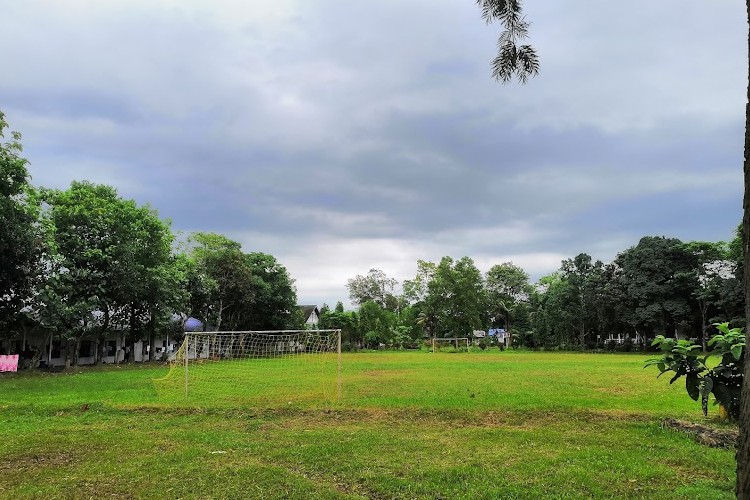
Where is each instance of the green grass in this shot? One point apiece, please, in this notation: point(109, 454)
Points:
point(409, 425)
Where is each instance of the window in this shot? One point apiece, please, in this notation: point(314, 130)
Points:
point(56, 349)
point(86, 349)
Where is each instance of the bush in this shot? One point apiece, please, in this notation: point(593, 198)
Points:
point(484, 343)
point(627, 345)
point(724, 381)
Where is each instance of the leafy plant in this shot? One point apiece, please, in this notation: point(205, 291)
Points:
point(724, 381)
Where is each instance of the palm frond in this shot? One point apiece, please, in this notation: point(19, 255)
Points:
point(512, 59)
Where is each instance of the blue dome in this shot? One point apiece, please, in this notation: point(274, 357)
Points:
point(193, 325)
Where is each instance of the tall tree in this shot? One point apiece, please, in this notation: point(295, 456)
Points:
point(221, 278)
point(157, 280)
point(580, 273)
point(660, 278)
point(273, 296)
point(19, 234)
point(554, 319)
point(507, 288)
point(455, 295)
point(105, 264)
point(376, 287)
point(713, 273)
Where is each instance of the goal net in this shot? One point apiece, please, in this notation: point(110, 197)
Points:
point(450, 344)
point(257, 368)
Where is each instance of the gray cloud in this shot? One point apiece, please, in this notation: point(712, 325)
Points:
point(342, 136)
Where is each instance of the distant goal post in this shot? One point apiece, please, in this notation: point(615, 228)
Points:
point(270, 366)
point(456, 342)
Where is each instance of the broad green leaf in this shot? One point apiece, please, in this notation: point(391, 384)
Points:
point(706, 386)
point(737, 351)
point(692, 384)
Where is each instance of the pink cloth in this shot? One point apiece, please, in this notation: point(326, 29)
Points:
point(9, 363)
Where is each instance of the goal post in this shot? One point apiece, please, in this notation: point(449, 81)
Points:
point(455, 342)
point(256, 367)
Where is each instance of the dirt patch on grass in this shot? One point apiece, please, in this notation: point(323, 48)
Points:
point(616, 390)
point(31, 461)
point(529, 419)
point(708, 436)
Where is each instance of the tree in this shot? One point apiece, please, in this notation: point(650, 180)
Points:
point(375, 287)
point(580, 274)
point(106, 265)
point(376, 324)
point(507, 287)
point(510, 58)
point(415, 290)
point(455, 295)
point(19, 231)
point(222, 278)
point(347, 322)
point(659, 276)
point(232, 290)
point(273, 296)
point(554, 318)
point(159, 280)
point(712, 273)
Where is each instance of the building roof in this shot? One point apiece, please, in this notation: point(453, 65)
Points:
point(307, 310)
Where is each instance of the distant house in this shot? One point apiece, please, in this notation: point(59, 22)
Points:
point(42, 347)
point(311, 313)
point(500, 335)
point(478, 334)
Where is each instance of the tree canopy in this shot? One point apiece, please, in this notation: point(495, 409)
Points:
point(19, 232)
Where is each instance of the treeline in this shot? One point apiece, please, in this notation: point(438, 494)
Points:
point(86, 263)
point(660, 286)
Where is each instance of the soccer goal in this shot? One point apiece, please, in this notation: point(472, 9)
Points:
point(255, 367)
point(450, 344)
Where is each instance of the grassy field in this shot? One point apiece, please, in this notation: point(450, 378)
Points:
point(409, 425)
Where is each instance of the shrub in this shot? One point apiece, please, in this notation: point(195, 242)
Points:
point(724, 381)
point(627, 345)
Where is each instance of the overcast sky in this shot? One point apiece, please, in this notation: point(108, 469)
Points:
point(344, 135)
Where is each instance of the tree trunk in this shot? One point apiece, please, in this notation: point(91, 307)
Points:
point(76, 350)
point(130, 338)
point(703, 308)
point(101, 339)
point(508, 333)
point(151, 342)
point(67, 353)
point(743, 443)
point(583, 335)
point(221, 310)
point(98, 349)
